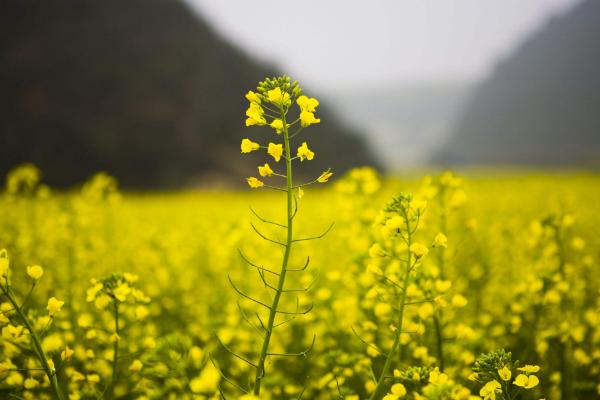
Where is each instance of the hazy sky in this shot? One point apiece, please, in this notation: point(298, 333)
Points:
point(333, 43)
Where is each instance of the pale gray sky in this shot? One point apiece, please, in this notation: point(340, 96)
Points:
point(331, 43)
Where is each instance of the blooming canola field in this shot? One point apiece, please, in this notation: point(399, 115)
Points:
point(445, 286)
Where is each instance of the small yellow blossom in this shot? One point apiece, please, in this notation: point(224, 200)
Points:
point(275, 150)
point(136, 366)
point(255, 114)
point(376, 251)
point(307, 119)
point(252, 97)
point(529, 369)
point(102, 301)
point(324, 177)
point(35, 272)
point(440, 240)
point(54, 306)
point(131, 278)
point(419, 250)
point(442, 286)
point(307, 104)
point(93, 291)
point(248, 145)
point(526, 382)
point(304, 153)
point(30, 383)
point(279, 98)
point(505, 373)
point(398, 389)
point(459, 301)
point(122, 291)
point(254, 183)
point(265, 170)
point(4, 262)
point(66, 354)
point(277, 124)
point(489, 390)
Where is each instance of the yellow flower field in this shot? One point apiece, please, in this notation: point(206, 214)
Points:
point(484, 285)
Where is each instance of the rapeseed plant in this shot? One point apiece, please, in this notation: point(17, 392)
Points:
point(271, 105)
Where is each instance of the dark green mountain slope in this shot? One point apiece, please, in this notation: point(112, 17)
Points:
point(140, 88)
point(542, 104)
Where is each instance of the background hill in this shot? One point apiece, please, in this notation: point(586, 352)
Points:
point(540, 105)
point(141, 88)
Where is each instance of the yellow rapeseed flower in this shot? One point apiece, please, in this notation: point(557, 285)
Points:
point(304, 153)
point(253, 97)
point(529, 369)
point(307, 104)
point(66, 354)
point(489, 390)
point(277, 124)
point(279, 98)
point(254, 183)
point(398, 389)
point(505, 373)
point(265, 170)
point(35, 272)
point(248, 145)
point(4, 262)
point(54, 306)
point(307, 119)
point(30, 383)
point(419, 250)
point(440, 240)
point(122, 291)
point(255, 114)
point(526, 382)
point(136, 366)
point(275, 150)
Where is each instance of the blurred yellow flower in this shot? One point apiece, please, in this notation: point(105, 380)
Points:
point(419, 250)
point(440, 240)
point(54, 306)
point(35, 272)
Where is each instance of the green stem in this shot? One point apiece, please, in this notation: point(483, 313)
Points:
point(377, 393)
point(260, 370)
point(111, 393)
point(438, 319)
point(50, 373)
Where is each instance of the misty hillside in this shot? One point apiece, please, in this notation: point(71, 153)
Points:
point(540, 105)
point(404, 122)
point(141, 88)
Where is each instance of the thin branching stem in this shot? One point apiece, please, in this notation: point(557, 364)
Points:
point(377, 393)
point(41, 355)
point(291, 211)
